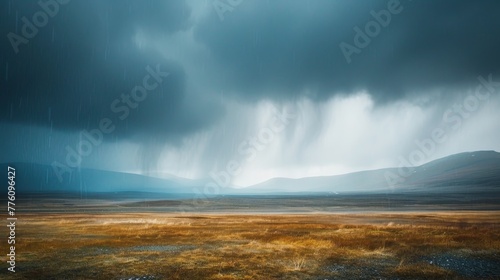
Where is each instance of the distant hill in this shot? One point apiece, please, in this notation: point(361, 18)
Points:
point(464, 172)
point(459, 172)
point(32, 177)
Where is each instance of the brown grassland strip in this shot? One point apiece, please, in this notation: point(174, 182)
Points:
point(225, 246)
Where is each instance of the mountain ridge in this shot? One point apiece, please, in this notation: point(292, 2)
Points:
point(458, 172)
point(433, 173)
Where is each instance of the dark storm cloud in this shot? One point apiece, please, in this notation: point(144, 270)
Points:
point(280, 49)
point(69, 74)
point(224, 76)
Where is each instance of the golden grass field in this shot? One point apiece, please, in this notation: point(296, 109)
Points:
point(225, 246)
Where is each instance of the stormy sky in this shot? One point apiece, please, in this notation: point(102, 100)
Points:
point(260, 88)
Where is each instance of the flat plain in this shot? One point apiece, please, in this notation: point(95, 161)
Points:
point(161, 245)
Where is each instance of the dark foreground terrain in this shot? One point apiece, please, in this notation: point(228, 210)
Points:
point(376, 245)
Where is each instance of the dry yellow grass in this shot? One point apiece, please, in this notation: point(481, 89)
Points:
point(223, 246)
